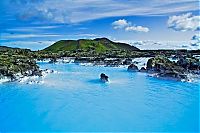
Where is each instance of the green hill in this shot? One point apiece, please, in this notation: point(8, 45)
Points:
point(98, 45)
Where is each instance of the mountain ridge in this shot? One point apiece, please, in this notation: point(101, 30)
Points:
point(98, 45)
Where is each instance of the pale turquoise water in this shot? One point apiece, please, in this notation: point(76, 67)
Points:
point(75, 100)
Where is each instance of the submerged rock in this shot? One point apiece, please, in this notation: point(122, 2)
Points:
point(132, 68)
point(103, 77)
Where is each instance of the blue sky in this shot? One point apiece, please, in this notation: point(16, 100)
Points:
point(36, 24)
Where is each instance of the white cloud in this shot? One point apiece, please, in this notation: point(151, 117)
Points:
point(127, 26)
point(196, 37)
point(137, 29)
point(7, 36)
point(184, 22)
point(195, 41)
point(74, 11)
point(32, 28)
point(86, 35)
point(155, 45)
point(46, 27)
point(23, 36)
point(119, 24)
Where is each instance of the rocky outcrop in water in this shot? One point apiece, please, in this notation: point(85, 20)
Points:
point(190, 64)
point(132, 68)
point(127, 61)
point(163, 67)
point(143, 69)
point(113, 62)
point(53, 60)
point(103, 77)
point(109, 62)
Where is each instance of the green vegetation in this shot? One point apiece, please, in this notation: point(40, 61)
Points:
point(99, 45)
point(162, 63)
point(17, 61)
point(102, 47)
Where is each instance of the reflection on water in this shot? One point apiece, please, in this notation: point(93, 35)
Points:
point(75, 100)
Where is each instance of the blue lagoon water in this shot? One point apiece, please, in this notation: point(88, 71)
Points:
point(75, 100)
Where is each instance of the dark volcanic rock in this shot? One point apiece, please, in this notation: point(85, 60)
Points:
point(95, 60)
point(163, 67)
point(53, 60)
point(143, 69)
point(18, 66)
point(170, 74)
point(103, 77)
point(113, 62)
point(132, 68)
point(192, 63)
point(127, 62)
point(81, 60)
point(161, 64)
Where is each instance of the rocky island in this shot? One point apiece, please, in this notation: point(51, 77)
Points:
point(164, 68)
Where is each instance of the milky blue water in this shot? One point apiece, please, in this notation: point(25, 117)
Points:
point(75, 100)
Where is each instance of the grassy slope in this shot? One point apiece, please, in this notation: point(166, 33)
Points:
point(99, 45)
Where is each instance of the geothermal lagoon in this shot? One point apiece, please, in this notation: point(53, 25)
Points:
point(74, 99)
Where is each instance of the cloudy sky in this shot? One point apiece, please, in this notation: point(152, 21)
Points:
point(36, 24)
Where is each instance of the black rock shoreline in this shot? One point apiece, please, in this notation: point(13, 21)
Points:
point(159, 66)
point(17, 63)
